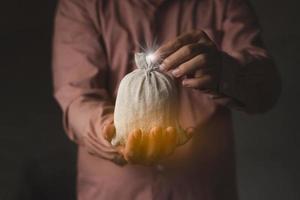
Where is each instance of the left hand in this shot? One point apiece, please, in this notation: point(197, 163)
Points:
point(150, 148)
point(97, 143)
point(193, 57)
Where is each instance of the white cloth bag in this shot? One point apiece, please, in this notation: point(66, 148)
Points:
point(146, 98)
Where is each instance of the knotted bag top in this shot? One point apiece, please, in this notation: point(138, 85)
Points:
point(144, 62)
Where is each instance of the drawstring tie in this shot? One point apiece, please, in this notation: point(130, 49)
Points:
point(143, 63)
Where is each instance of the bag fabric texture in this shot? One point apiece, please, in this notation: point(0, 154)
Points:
point(146, 98)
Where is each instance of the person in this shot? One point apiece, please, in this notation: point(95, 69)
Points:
point(214, 50)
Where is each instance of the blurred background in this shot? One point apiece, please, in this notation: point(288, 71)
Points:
point(37, 161)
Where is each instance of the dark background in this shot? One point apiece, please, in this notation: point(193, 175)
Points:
point(37, 161)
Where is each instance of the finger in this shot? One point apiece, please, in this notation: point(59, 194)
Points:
point(198, 62)
point(100, 143)
point(171, 140)
point(181, 55)
point(132, 146)
point(173, 45)
point(200, 73)
point(153, 144)
point(203, 83)
point(109, 132)
point(92, 142)
point(119, 160)
point(94, 150)
point(121, 149)
point(98, 136)
point(190, 132)
point(142, 155)
point(205, 39)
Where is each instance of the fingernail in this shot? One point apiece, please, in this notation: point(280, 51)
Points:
point(184, 83)
point(162, 67)
point(176, 72)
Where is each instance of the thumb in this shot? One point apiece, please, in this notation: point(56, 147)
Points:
point(109, 131)
point(190, 132)
point(121, 149)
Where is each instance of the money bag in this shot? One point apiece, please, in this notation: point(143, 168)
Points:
point(146, 98)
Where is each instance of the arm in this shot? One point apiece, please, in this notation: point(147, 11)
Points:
point(248, 73)
point(237, 73)
point(79, 71)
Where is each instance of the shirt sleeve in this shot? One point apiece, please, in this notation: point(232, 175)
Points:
point(79, 70)
point(249, 75)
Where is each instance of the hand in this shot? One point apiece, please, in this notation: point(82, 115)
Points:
point(98, 144)
point(194, 58)
point(148, 148)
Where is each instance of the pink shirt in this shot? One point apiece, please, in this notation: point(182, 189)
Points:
point(94, 43)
